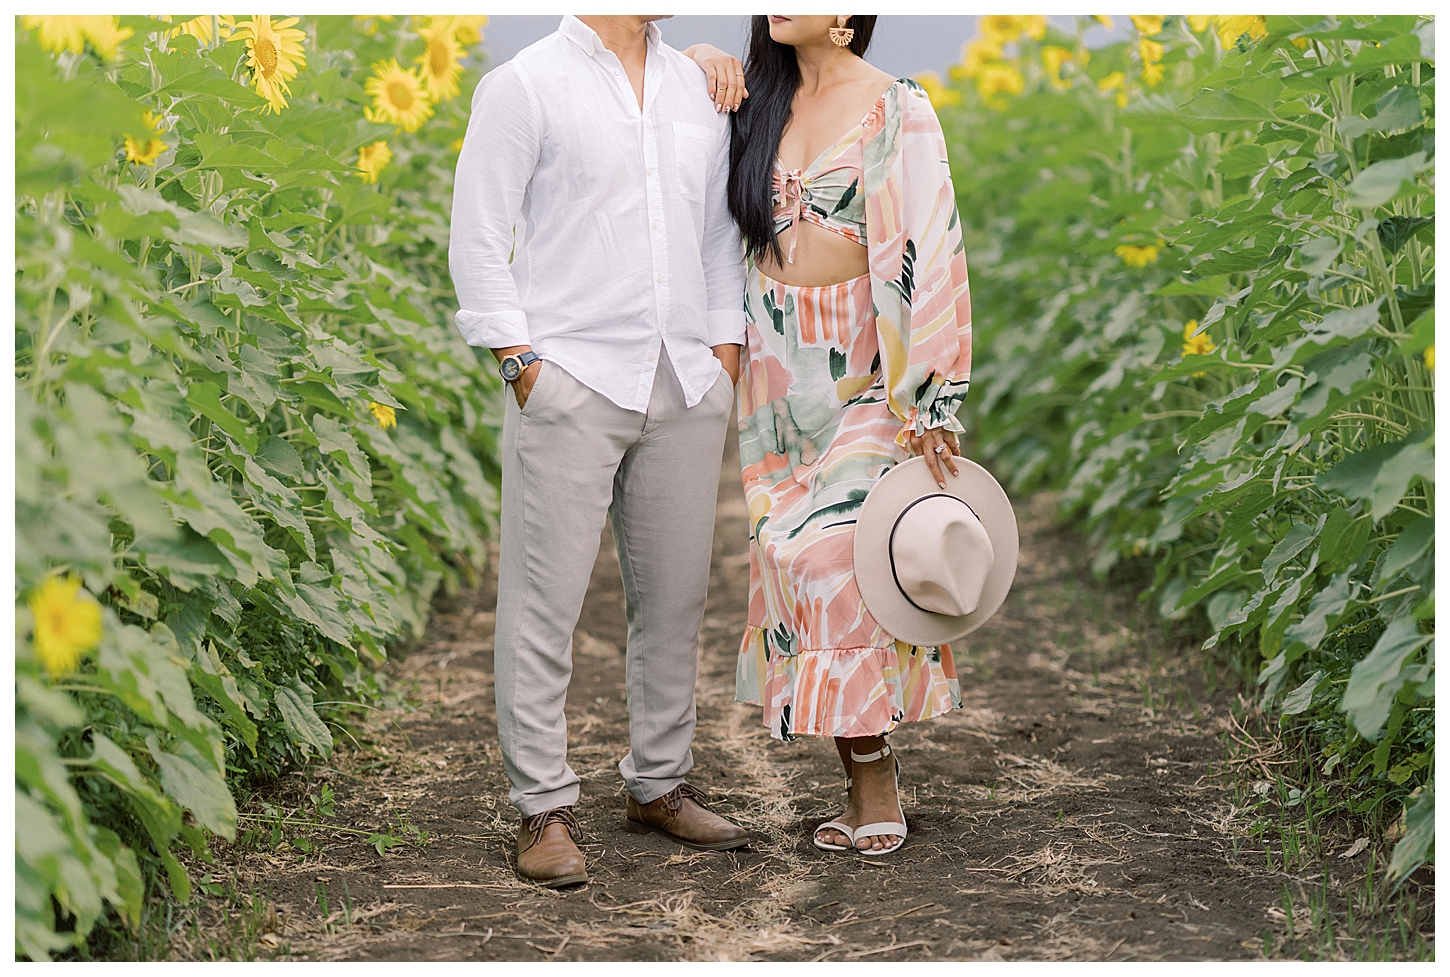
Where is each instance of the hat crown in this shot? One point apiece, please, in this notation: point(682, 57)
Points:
point(941, 555)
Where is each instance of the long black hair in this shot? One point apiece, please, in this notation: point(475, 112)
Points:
point(772, 76)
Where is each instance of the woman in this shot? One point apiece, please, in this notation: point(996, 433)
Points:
point(858, 350)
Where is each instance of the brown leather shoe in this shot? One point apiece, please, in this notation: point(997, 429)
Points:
point(548, 854)
point(683, 816)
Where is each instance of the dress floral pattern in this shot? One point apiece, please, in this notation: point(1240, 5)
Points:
point(834, 378)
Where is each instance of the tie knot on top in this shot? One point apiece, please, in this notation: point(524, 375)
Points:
point(794, 194)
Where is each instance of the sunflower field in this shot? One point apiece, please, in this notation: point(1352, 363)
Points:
point(1204, 273)
point(250, 444)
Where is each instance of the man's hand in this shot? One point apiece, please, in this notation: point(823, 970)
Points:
point(724, 76)
point(930, 446)
point(525, 383)
point(729, 356)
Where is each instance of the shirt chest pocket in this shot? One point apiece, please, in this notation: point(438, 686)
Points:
point(694, 150)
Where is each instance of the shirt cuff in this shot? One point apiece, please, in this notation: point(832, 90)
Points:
point(725, 326)
point(493, 329)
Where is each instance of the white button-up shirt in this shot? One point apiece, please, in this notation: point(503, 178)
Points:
point(594, 231)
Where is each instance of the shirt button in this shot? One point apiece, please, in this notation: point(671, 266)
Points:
point(660, 279)
point(655, 224)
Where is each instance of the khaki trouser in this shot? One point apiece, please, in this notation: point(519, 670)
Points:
point(570, 458)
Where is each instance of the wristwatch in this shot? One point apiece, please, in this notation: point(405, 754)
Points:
point(512, 367)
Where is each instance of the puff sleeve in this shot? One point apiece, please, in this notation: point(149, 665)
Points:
point(918, 264)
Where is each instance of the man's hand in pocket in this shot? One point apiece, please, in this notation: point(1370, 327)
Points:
point(524, 385)
point(729, 356)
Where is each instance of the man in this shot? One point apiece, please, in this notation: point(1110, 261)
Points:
point(593, 252)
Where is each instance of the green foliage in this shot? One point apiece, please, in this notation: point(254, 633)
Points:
point(1206, 317)
point(207, 349)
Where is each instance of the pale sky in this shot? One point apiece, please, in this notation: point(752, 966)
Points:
point(903, 45)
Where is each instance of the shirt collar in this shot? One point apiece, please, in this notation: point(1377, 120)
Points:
point(583, 35)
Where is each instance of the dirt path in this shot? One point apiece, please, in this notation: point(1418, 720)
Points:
point(1073, 809)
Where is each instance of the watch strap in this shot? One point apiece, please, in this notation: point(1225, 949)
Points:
point(524, 360)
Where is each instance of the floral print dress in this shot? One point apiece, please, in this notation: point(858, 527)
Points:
point(834, 378)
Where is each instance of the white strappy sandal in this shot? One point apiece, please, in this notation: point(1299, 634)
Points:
point(843, 828)
point(896, 828)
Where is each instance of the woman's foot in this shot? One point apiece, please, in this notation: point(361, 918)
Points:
point(834, 836)
point(873, 796)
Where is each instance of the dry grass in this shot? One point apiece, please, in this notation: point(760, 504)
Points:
point(1057, 869)
point(753, 928)
point(1037, 777)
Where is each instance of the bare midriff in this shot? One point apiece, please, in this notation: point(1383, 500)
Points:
point(821, 258)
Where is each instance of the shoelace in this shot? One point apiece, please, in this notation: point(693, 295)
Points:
point(676, 798)
point(559, 815)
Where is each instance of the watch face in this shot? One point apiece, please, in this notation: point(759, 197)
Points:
point(510, 369)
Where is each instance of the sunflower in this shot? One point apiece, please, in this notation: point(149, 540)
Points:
point(1230, 29)
point(938, 92)
point(1000, 28)
point(145, 150)
point(999, 79)
point(371, 160)
point(1196, 343)
point(1104, 19)
point(58, 34)
point(465, 29)
point(399, 97)
point(385, 416)
point(70, 33)
point(1114, 82)
point(1137, 255)
point(1053, 58)
point(439, 62)
point(1152, 53)
point(274, 53)
point(1147, 25)
point(976, 55)
point(1111, 82)
point(67, 625)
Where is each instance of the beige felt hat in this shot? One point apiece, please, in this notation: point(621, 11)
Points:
point(934, 564)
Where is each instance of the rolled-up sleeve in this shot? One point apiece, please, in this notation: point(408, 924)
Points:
point(721, 255)
point(500, 151)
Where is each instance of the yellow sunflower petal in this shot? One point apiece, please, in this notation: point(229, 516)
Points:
point(441, 62)
point(372, 159)
point(399, 96)
point(67, 623)
point(274, 56)
point(385, 416)
point(1147, 25)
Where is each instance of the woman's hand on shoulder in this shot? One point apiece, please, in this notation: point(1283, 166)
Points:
point(724, 76)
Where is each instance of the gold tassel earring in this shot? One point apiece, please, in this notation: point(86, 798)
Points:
point(841, 34)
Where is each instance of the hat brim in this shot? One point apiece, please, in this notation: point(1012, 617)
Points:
point(892, 493)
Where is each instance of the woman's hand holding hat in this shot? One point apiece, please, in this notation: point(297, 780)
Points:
point(937, 445)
